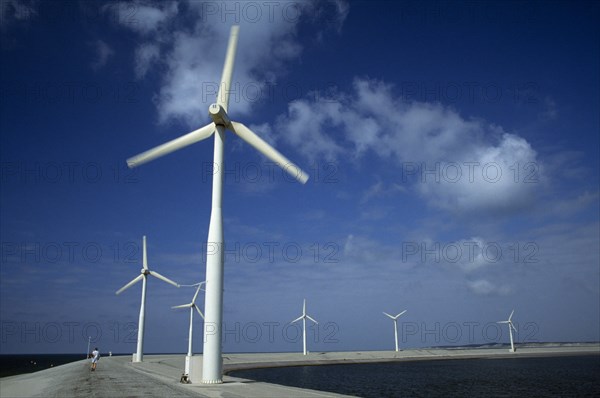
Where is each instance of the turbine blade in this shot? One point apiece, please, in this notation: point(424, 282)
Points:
point(182, 306)
point(511, 314)
point(260, 145)
point(199, 312)
point(513, 326)
point(197, 291)
point(388, 315)
point(133, 282)
point(159, 276)
point(171, 146)
point(309, 317)
point(297, 319)
point(144, 253)
point(402, 313)
point(225, 86)
point(502, 322)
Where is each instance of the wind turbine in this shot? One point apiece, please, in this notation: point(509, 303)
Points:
point(395, 319)
point(510, 329)
point(139, 355)
point(192, 306)
point(304, 317)
point(212, 369)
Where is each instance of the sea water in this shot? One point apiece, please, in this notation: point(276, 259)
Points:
point(26, 363)
point(563, 376)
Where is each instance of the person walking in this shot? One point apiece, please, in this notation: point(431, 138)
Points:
point(95, 357)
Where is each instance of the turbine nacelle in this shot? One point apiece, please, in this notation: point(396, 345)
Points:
point(219, 116)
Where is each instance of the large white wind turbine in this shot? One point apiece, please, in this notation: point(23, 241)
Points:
point(510, 329)
point(212, 359)
point(304, 317)
point(395, 319)
point(139, 355)
point(192, 306)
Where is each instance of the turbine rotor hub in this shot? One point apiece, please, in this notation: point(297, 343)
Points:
point(219, 115)
point(145, 271)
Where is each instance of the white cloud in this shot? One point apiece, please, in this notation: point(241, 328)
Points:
point(17, 11)
point(549, 111)
point(469, 254)
point(103, 53)
point(265, 132)
point(148, 18)
point(143, 17)
point(570, 206)
point(366, 256)
point(484, 287)
point(304, 128)
point(332, 11)
point(493, 179)
point(379, 189)
point(187, 41)
point(457, 164)
point(145, 55)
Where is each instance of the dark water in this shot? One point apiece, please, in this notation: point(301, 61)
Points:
point(573, 376)
point(16, 364)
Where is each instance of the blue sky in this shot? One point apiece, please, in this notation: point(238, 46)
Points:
point(453, 153)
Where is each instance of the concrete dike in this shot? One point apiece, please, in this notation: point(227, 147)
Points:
point(159, 375)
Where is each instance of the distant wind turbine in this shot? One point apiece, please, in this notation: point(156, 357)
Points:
point(395, 319)
point(510, 329)
point(139, 355)
point(304, 317)
point(192, 306)
point(212, 369)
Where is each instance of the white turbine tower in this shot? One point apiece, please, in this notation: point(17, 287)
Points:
point(212, 369)
point(510, 329)
point(192, 306)
point(304, 317)
point(139, 355)
point(395, 319)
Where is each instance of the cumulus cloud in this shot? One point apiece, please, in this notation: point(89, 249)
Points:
point(265, 132)
point(470, 254)
point(491, 177)
point(456, 163)
point(549, 111)
point(145, 56)
point(142, 16)
point(14, 11)
point(484, 287)
point(186, 42)
point(305, 127)
point(148, 18)
point(380, 189)
point(103, 53)
point(366, 255)
point(16, 15)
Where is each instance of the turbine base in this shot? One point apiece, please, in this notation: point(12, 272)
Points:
point(218, 381)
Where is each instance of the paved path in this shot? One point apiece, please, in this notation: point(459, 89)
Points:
point(113, 378)
point(158, 375)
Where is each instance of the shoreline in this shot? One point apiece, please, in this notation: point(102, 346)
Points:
point(253, 360)
point(261, 361)
point(235, 368)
